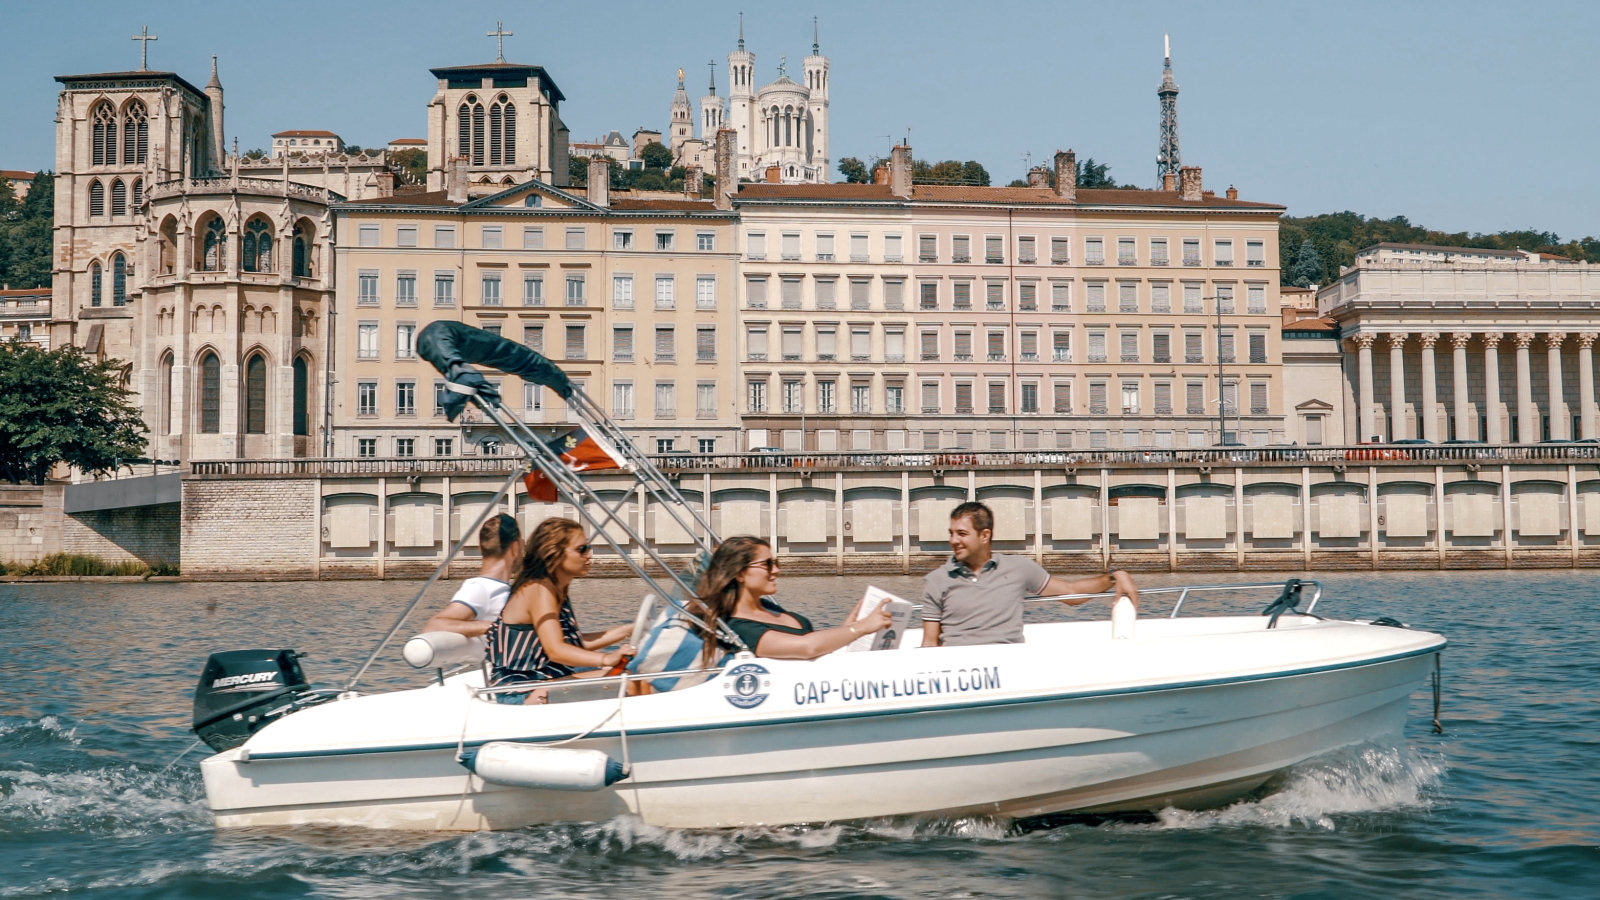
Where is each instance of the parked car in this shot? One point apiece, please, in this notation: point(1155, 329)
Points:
point(764, 457)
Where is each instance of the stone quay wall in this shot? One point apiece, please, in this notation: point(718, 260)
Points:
point(1218, 511)
point(148, 534)
point(30, 521)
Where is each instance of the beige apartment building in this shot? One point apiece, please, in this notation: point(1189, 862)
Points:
point(632, 297)
point(892, 315)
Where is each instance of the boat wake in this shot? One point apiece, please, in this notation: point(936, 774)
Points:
point(1352, 783)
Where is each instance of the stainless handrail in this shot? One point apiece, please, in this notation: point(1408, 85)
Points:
point(1183, 593)
point(563, 683)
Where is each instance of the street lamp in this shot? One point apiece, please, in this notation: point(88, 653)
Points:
point(1222, 387)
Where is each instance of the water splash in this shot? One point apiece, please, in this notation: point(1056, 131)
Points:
point(1354, 782)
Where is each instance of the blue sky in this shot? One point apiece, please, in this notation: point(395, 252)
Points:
point(1462, 116)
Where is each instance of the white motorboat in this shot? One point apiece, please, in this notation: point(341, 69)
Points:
point(1190, 711)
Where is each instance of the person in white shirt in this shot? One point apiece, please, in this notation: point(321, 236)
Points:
point(479, 600)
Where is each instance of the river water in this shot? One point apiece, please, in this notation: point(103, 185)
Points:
point(96, 681)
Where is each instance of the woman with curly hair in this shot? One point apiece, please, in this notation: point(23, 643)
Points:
point(536, 637)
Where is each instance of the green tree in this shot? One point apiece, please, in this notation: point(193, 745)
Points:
point(61, 406)
point(655, 156)
point(854, 171)
point(26, 235)
point(949, 171)
point(1307, 267)
point(414, 162)
point(1095, 175)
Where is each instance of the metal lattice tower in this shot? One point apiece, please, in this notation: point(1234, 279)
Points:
point(1168, 160)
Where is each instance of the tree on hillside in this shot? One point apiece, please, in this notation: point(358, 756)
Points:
point(413, 161)
point(1095, 175)
point(854, 171)
point(949, 171)
point(1307, 267)
point(26, 234)
point(61, 406)
point(655, 156)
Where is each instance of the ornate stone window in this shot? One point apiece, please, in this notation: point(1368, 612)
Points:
point(255, 395)
point(210, 394)
point(257, 253)
point(105, 135)
point(135, 133)
point(214, 247)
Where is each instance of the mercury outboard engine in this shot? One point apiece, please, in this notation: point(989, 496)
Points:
point(241, 691)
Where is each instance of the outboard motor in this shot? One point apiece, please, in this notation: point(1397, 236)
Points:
point(241, 691)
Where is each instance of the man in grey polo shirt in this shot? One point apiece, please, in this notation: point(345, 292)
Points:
point(976, 598)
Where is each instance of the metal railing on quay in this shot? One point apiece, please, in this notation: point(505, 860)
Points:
point(767, 459)
point(1184, 592)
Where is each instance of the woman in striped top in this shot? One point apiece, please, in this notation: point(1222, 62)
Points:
point(536, 637)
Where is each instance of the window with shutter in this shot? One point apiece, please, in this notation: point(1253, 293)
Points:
point(666, 400)
point(894, 345)
point(1158, 251)
point(858, 248)
point(1061, 346)
point(997, 397)
point(1258, 398)
point(1025, 250)
point(533, 338)
point(825, 298)
point(963, 397)
point(755, 292)
point(532, 239)
point(1225, 346)
point(1097, 297)
point(1314, 430)
point(576, 346)
point(961, 248)
point(963, 346)
point(1163, 398)
point(894, 293)
point(1126, 254)
point(1127, 297)
point(1191, 299)
point(1129, 346)
point(859, 292)
point(1097, 346)
point(1224, 253)
point(791, 245)
point(533, 290)
point(860, 344)
point(1256, 298)
point(621, 344)
point(860, 399)
point(1130, 398)
point(666, 292)
point(891, 248)
point(1258, 347)
point(666, 343)
point(1191, 251)
point(1028, 297)
point(756, 246)
point(930, 397)
point(791, 343)
point(1193, 351)
point(1161, 298)
point(705, 343)
point(1225, 299)
point(995, 295)
point(928, 248)
point(827, 343)
point(1094, 251)
point(1062, 397)
point(1061, 296)
point(1097, 398)
point(997, 346)
point(705, 292)
point(962, 294)
point(1060, 251)
point(928, 292)
point(1161, 346)
point(789, 293)
point(756, 343)
point(576, 237)
point(1030, 346)
point(622, 400)
point(1255, 254)
point(1194, 398)
point(705, 400)
point(994, 249)
point(825, 247)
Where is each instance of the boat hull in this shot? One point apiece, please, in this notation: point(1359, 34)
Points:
point(1028, 753)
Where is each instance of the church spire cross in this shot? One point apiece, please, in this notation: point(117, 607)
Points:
point(783, 66)
point(815, 51)
point(144, 37)
point(500, 34)
point(713, 65)
point(741, 29)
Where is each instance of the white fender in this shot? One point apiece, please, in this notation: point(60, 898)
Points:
point(442, 648)
point(547, 768)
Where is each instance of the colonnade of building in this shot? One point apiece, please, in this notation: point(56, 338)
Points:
point(1476, 417)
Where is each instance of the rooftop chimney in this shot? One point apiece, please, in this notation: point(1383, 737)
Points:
point(727, 178)
point(1169, 181)
point(900, 171)
point(774, 174)
point(1067, 175)
point(1233, 192)
point(455, 182)
point(599, 181)
point(1189, 184)
point(693, 183)
point(1038, 177)
point(880, 173)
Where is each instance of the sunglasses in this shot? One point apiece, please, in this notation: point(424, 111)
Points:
point(771, 565)
point(584, 548)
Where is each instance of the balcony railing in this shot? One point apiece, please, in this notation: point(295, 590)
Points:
point(1061, 355)
point(997, 357)
point(1163, 410)
point(757, 357)
point(961, 257)
point(894, 358)
point(827, 357)
point(1130, 357)
point(1194, 357)
point(1097, 357)
point(963, 357)
point(1158, 260)
point(1162, 357)
point(1060, 259)
point(1027, 259)
point(824, 257)
point(1030, 357)
point(1098, 409)
point(1258, 357)
point(930, 357)
point(1094, 261)
point(1256, 263)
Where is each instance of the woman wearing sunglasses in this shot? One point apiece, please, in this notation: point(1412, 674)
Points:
point(737, 588)
point(536, 637)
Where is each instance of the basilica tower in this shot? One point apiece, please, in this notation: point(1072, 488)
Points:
point(741, 96)
point(681, 126)
point(711, 110)
point(816, 80)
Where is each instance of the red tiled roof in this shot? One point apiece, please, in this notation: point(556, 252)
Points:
point(409, 141)
point(17, 174)
point(950, 193)
point(24, 293)
point(407, 198)
point(305, 134)
point(1312, 325)
point(685, 205)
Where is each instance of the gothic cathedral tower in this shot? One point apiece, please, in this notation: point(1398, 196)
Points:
point(816, 76)
point(741, 96)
